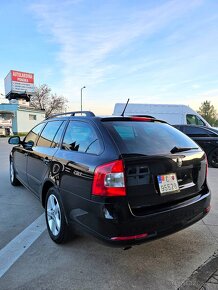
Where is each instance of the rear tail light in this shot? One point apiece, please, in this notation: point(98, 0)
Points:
point(109, 179)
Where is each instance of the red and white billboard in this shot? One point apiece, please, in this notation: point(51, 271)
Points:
point(19, 82)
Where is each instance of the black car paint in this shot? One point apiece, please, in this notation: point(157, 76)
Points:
point(208, 139)
point(142, 210)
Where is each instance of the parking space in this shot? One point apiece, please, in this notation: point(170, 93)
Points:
point(19, 207)
point(84, 263)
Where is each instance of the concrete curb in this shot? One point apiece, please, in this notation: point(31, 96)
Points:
point(200, 276)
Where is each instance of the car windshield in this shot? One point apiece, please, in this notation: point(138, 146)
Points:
point(147, 138)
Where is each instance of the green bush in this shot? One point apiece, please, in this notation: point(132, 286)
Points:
point(21, 134)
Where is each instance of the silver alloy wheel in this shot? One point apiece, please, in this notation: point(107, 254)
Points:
point(53, 215)
point(12, 171)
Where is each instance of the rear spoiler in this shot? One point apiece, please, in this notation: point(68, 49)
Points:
point(138, 118)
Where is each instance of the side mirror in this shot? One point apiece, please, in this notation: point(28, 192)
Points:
point(28, 145)
point(15, 140)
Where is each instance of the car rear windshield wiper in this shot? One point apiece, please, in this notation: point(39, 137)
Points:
point(181, 149)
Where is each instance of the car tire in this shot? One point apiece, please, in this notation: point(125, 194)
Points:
point(13, 179)
point(213, 158)
point(57, 226)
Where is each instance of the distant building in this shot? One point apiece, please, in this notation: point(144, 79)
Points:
point(19, 119)
point(17, 115)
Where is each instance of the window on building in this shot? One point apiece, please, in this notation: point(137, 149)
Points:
point(32, 117)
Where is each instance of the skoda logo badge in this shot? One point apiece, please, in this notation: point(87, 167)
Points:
point(179, 161)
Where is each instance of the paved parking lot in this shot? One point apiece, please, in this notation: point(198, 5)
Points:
point(84, 263)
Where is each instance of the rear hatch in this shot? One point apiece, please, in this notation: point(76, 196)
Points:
point(162, 165)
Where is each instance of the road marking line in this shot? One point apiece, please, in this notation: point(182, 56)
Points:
point(16, 247)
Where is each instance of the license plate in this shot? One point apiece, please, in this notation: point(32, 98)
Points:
point(168, 183)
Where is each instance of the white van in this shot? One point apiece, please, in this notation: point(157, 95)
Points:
point(173, 114)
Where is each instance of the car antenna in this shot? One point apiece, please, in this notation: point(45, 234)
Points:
point(125, 108)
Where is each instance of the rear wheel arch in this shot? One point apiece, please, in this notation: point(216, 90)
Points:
point(46, 186)
point(55, 216)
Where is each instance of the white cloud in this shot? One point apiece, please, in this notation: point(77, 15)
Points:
point(196, 86)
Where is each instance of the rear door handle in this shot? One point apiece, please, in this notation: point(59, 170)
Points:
point(46, 160)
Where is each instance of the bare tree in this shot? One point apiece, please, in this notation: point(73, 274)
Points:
point(45, 100)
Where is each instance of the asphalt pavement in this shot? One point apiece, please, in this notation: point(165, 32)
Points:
point(185, 260)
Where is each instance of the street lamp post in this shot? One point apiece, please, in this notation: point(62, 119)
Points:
point(82, 98)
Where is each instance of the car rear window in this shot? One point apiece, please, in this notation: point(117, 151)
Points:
point(147, 138)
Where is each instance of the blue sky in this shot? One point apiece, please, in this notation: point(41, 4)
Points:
point(148, 51)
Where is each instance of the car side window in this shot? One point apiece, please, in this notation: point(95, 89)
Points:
point(33, 135)
point(81, 137)
point(49, 133)
point(196, 132)
point(194, 120)
point(57, 138)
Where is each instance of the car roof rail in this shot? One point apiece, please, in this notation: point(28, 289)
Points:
point(86, 113)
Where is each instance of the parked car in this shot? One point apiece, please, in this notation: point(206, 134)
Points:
point(125, 180)
point(4, 131)
point(206, 137)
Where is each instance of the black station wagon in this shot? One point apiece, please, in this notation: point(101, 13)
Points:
point(125, 180)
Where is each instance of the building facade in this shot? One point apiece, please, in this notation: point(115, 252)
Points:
point(18, 118)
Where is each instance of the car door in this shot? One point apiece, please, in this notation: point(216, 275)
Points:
point(22, 151)
point(81, 146)
point(40, 157)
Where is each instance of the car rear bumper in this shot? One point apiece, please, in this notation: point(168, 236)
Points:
point(116, 225)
